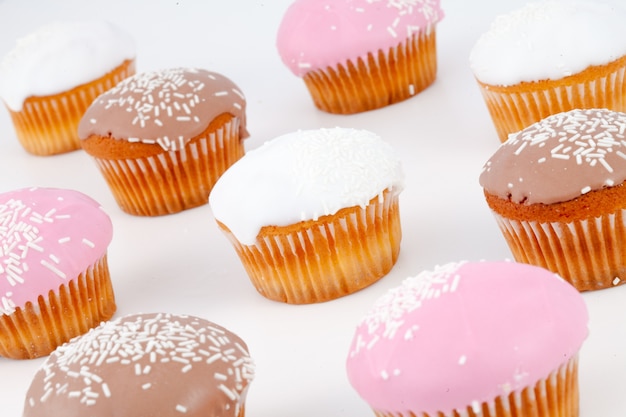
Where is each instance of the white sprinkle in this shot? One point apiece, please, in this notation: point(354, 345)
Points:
point(616, 281)
point(181, 408)
point(88, 243)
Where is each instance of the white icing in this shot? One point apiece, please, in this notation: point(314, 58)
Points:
point(549, 40)
point(302, 176)
point(60, 56)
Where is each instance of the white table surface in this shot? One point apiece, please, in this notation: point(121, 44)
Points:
point(183, 264)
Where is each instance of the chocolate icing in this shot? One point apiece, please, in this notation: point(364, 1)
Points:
point(145, 365)
point(167, 107)
point(559, 158)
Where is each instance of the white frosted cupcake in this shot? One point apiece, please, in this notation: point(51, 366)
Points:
point(52, 75)
point(549, 57)
point(313, 214)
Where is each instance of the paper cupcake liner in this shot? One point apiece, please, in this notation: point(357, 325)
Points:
point(590, 254)
point(172, 181)
point(383, 79)
point(555, 396)
point(325, 259)
point(40, 327)
point(517, 107)
point(48, 125)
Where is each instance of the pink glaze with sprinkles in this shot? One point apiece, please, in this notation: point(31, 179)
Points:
point(48, 237)
point(316, 34)
point(463, 334)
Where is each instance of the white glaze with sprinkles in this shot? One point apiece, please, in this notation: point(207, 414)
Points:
point(304, 175)
point(559, 158)
point(145, 365)
point(60, 56)
point(47, 238)
point(166, 107)
point(463, 334)
point(549, 40)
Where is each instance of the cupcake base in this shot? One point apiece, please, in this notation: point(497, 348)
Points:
point(555, 396)
point(321, 260)
point(382, 79)
point(589, 253)
point(167, 182)
point(39, 328)
point(48, 125)
point(513, 108)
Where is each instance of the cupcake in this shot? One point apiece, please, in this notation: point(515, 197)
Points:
point(162, 138)
point(557, 192)
point(52, 75)
point(145, 365)
point(359, 55)
point(488, 339)
point(550, 57)
point(54, 276)
point(314, 214)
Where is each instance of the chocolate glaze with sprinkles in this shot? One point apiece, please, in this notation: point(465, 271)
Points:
point(167, 107)
point(145, 365)
point(560, 158)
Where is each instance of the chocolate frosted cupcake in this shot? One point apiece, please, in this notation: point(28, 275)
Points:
point(145, 365)
point(557, 191)
point(162, 139)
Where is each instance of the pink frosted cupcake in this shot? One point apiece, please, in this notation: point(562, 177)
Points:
point(54, 276)
point(358, 55)
point(483, 339)
point(52, 75)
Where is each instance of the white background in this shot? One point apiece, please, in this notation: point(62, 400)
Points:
point(183, 264)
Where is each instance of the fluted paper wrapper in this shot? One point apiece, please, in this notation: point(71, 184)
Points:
point(590, 254)
point(173, 181)
point(516, 107)
point(325, 259)
point(48, 125)
point(555, 396)
point(54, 318)
point(383, 78)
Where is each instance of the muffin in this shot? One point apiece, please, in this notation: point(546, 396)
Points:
point(54, 275)
point(313, 214)
point(488, 339)
point(52, 75)
point(145, 365)
point(162, 138)
point(557, 192)
point(359, 55)
point(550, 57)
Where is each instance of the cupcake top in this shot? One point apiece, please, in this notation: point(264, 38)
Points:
point(167, 107)
point(559, 158)
point(463, 334)
point(145, 364)
point(48, 237)
point(317, 34)
point(549, 40)
point(60, 56)
point(301, 176)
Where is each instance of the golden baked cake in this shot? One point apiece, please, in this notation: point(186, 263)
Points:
point(161, 139)
point(557, 192)
point(359, 55)
point(52, 75)
point(550, 57)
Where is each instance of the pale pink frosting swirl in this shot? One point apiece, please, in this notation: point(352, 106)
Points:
point(464, 334)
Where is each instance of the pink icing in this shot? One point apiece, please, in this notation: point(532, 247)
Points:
point(316, 34)
point(47, 237)
point(464, 334)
